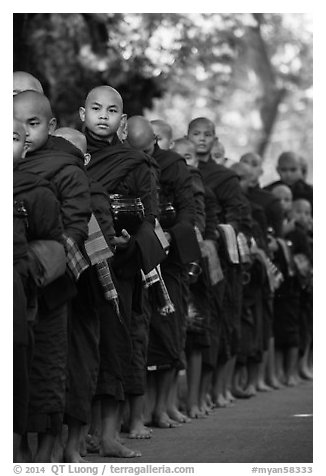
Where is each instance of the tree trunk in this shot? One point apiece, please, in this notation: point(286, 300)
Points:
point(268, 113)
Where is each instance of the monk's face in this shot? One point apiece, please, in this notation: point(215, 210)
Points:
point(289, 170)
point(19, 141)
point(102, 114)
point(301, 212)
point(255, 162)
point(202, 135)
point(284, 194)
point(36, 121)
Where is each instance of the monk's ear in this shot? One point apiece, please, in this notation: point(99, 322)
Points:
point(52, 125)
point(171, 144)
point(82, 114)
point(123, 119)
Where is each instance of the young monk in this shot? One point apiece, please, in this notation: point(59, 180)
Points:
point(70, 182)
point(167, 335)
point(36, 217)
point(301, 213)
point(164, 134)
point(290, 171)
point(287, 297)
point(251, 354)
point(123, 171)
point(274, 217)
point(24, 81)
point(225, 185)
point(201, 317)
point(102, 338)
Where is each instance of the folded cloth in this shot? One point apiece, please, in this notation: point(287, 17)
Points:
point(229, 238)
point(243, 248)
point(150, 278)
point(168, 307)
point(76, 263)
point(274, 275)
point(153, 277)
point(214, 265)
point(161, 236)
point(96, 246)
point(105, 278)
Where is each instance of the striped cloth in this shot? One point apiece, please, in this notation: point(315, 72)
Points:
point(105, 278)
point(243, 248)
point(230, 239)
point(168, 308)
point(76, 263)
point(153, 277)
point(150, 278)
point(96, 246)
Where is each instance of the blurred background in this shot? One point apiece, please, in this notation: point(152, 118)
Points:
point(250, 73)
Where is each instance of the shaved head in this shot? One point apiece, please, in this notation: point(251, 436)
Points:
point(288, 157)
point(184, 141)
point(34, 101)
point(74, 136)
point(198, 121)
point(255, 161)
point(245, 173)
point(110, 93)
point(140, 134)
point(23, 81)
point(162, 126)
point(34, 110)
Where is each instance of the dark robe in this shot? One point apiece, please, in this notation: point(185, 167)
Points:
point(168, 333)
point(46, 375)
point(287, 296)
point(271, 205)
point(225, 184)
point(122, 170)
point(232, 210)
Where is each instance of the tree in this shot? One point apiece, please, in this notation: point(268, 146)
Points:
point(245, 71)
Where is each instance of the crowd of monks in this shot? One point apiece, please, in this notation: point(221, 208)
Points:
point(154, 279)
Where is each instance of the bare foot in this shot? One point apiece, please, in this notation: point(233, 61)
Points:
point(306, 374)
point(229, 397)
point(275, 384)
point(263, 387)
point(205, 409)
point(194, 412)
point(140, 431)
point(178, 416)
point(92, 443)
point(164, 421)
point(115, 449)
point(251, 390)
point(291, 381)
point(71, 456)
point(221, 402)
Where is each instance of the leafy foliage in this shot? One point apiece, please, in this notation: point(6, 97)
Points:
point(242, 70)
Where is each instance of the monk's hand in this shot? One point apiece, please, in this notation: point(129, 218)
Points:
point(168, 236)
point(122, 241)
